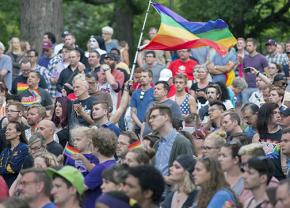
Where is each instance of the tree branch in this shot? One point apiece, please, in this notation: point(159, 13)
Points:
point(97, 2)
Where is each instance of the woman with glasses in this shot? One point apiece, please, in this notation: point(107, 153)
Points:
point(230, 162)
point(183, 190)
point(15, 154)
point(215, 192)
point(269, 132)
point(273, 70)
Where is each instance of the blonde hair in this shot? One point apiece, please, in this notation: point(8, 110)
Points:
point(187, 184)
point(250, 148)
point(84, 131)
point(49, 159)
point(81, 78)
point(219, 137)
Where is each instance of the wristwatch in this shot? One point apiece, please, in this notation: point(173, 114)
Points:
point(106, 68)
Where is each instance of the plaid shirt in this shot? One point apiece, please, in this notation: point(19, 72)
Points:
point(43, 72)
point(278, 58)
point(55, 67)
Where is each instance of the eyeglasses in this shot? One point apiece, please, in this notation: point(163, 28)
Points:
point(13, 111)
point(142, 95)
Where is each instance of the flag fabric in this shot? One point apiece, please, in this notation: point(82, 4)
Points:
point(175, 33)
point(135, 145)
point(70, 150)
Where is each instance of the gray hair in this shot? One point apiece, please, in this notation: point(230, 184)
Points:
point(2, 46)
point(108, 29)
point(239, 84)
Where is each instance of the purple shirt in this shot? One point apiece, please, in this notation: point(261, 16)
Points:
point(78, 164)
point(259, 62)
point(94, 181)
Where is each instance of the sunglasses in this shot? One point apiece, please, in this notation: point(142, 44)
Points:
point(142, 95)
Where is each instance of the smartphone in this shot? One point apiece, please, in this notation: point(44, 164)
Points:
point(247, 70)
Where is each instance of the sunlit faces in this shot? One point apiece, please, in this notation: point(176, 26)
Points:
point(202, 73)
point(241, 44)
point(282, 196)
point(285, 144)
point(81, 141)
point(33, 79)
point(226, 160)
point(122, 145)
point(58, 110)
point(159, 91)
point(74, 58)
point(33, 116)
point(180, 84)
point(133, 189)
point(25, 69)
point(250, 47)
point(228, 124)
point(98, 111)
point(157, 120)
point(249, 117)
point(11, 132)
point(214, 112)
point(145, 79)
point(275, 97)
point(252, 178)
point(200, 174)
point(130, 159)
point(177, 172)
point(80, 87)
point(61, 192)
point(209, 148)
point(212, 94)
point(28, 187)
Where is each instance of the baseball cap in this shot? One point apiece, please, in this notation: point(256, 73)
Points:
point(65, 33)
point(271, 42)
point(285, 112)
point(70, 174)
point(111, 55)
point(165, 75)
point(46, 45)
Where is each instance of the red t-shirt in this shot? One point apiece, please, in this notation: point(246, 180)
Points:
point(180, 67)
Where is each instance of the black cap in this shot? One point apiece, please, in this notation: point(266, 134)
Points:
point(271, 42)
point(112, 56)
point(65, 33)
point(187, 162)
point(285, 112)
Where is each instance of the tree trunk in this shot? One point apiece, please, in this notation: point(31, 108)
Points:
point(38, 17)
point(124, 23)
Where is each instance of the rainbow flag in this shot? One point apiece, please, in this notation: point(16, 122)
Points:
point(135, 145)
point(70, 150)
point(21, 87)
point(175, 33)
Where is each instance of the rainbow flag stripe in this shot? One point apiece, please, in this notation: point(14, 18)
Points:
point(135, 145)
point(21, 87)
point(175, 33)
point(70, 150)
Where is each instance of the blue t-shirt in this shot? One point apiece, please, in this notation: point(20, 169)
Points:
point(141, 102)
point(49, 205)
point(220, 198)
point(112, 127)
point(78, 164)
point(94, 181)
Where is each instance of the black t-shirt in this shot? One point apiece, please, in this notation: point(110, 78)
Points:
point(39, 96)
point(195, 88)
point(87, 105)
point(54, 148)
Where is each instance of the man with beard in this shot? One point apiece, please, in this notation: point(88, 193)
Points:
point(35, 186)
point(124, 140)
point(35, 114)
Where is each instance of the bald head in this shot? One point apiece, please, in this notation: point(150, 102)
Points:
point(46, 128)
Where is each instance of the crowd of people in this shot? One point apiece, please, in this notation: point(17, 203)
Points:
point(193, 128)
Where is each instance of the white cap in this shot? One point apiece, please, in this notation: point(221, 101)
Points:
point(165, 75)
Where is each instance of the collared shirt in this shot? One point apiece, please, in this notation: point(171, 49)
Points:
point(278, 58)
point(163, 152)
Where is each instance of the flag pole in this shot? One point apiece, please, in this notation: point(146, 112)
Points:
point(140, 39)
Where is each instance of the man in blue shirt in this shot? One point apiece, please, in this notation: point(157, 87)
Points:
point(100, 113)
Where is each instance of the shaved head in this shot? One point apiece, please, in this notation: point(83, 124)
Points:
point(46, 128)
